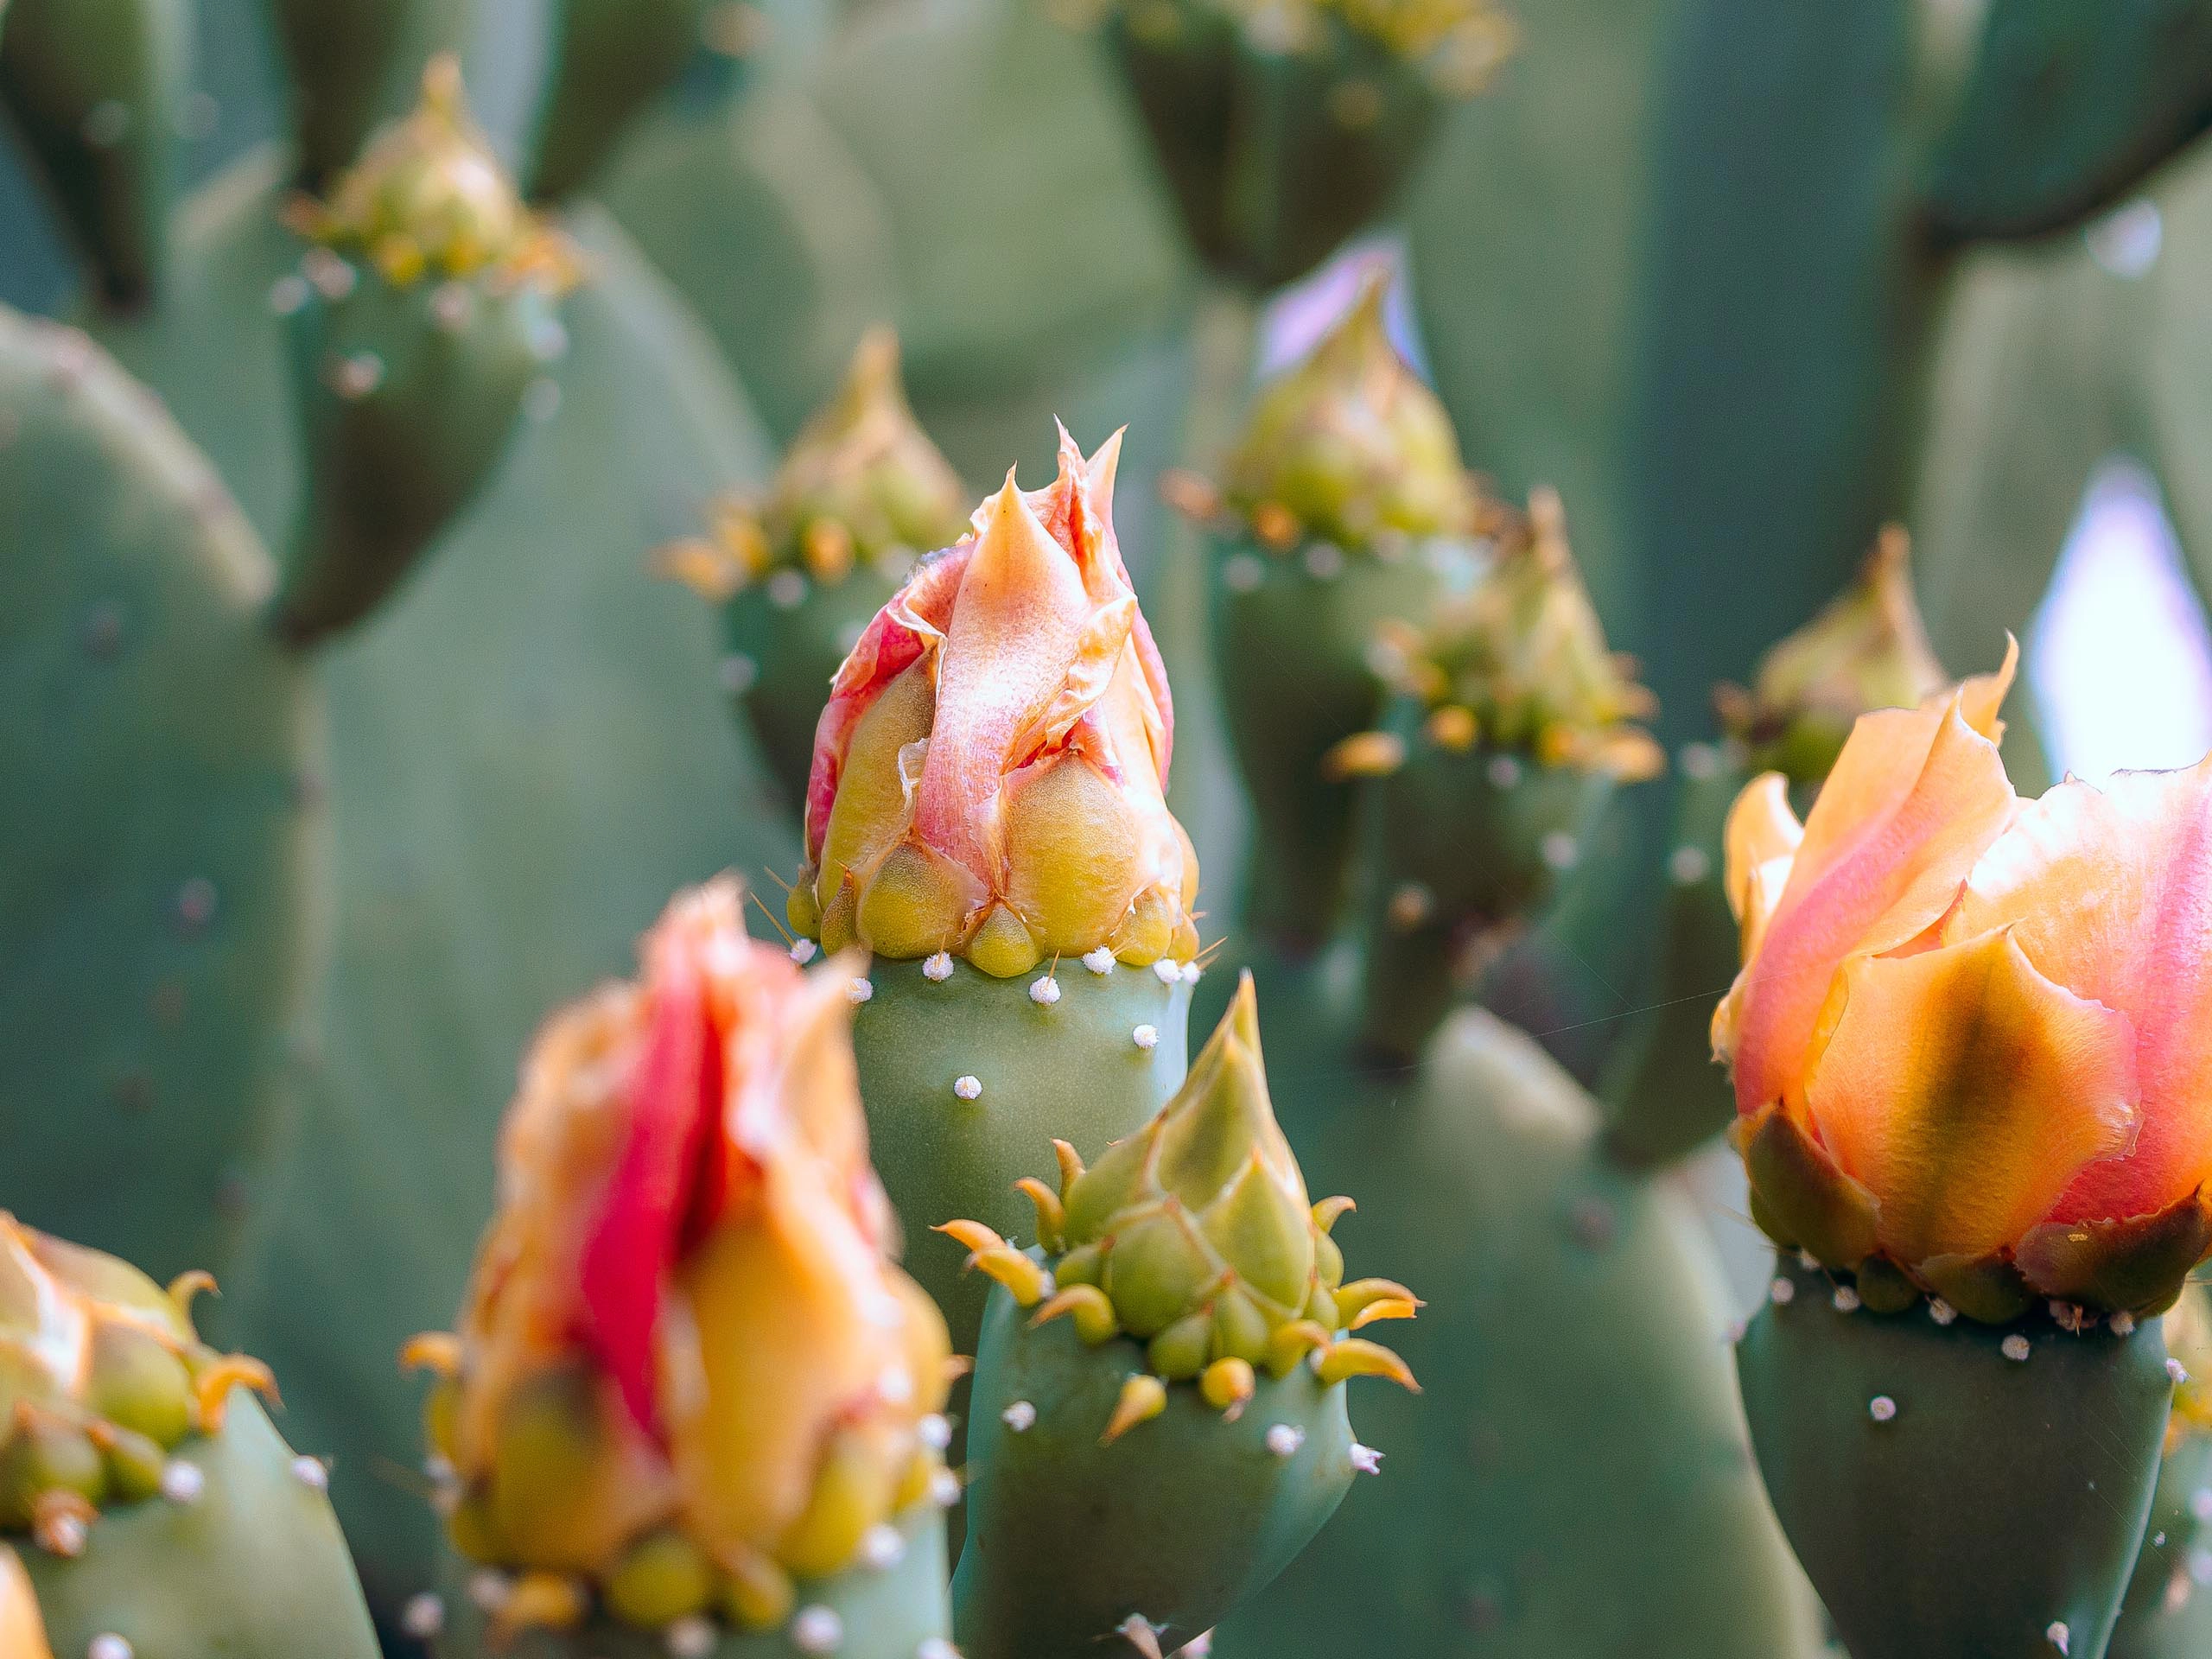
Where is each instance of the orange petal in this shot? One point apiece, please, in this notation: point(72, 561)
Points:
point(2109, 892)
point(1760, 841)
point(1900, 822)
point(1014, 635)
point(1965, 1092)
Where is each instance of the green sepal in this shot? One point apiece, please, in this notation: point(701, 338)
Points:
point(784, 655)
point(97, 88)
point(1292, 635)
point(355, 63)
point(1884, 1287)
point(1465, 843)
point(1814, 1204)
point(1988, 1290)
point(407, 398)
point(253, 1568)
point(2067, 108)
point(609, 58)
point(1071, 1069)
point(1176, 1521)
point(1947, 1498)
point(2138, 1264)
point(881, 1613)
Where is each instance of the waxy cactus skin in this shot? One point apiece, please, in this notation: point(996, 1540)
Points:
point(354, 64)
point(98, 87)
point(610, 57)
point(2166, 1612)
point(160, 961)
point(1889, 1441)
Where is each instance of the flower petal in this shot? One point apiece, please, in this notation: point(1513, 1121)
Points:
point(2109, 892)
point(1914, 799)
point(1762, 832)
point(1965, 1091)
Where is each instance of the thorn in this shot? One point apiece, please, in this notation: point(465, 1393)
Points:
point(782, 932)
point(1365, 1300)
point(187, 1287)
point(435, 1351)
point(1144, 1396)
point(1094, 1319)
point(1357, 1357)
point(1387, 1308)
point(1028, 1283)
point(976, 1237)
point(778, 880)
point(1070, 1166)
point(212, 1388)
point(1327, 1213)
point(1204, 958)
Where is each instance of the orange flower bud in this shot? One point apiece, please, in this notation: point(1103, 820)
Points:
point(989, 775)
point(1968, 1032)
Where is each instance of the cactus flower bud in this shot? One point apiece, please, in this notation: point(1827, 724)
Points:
point(1867, 650)
point(804, 566)
point(418, 319)
point(989, 776)
point(1284, 130)
point(1162, 1376)
point(685, 1341)
point(22, 1630)
point(1967, 1040)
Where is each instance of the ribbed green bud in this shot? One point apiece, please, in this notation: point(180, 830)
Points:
point(1352, 446)
point(1203, 1232)
point(1520, 662)
point(1867, 649)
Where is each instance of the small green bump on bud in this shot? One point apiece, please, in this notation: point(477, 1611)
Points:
point(1180, 1352)
point(43, 1455)
point(1227, 1385)
point(1143, 1398)
point(548, 1451)
point(1867, 649)
point(801, 909)
point(472, 1530)
point(1077, 1267)
point(1002, 946)
point(134, 1462)
point(1094, 1315)
point(137, 1383)
point(1351, 445)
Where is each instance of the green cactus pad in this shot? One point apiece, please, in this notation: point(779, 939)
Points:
point(610, 59)
point(1575, 1479)
point(1946, 1497)
point(160, 959)
point(896, 1613)
point(2167, 1612)
point(252, 1567)
point(1663, 1093)
point(355, 63)
point(782, 658)
point(1291, 634)
point(1073, 1070)
point(1068, 1539)
point(97, 87)
point(1466, 843)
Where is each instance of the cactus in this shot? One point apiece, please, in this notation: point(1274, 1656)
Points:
point(156, 1512)
point(353, 64)
point(608, 59)
point(1867, 649)
point(1177, 1402)
point(804, 566)
point(160, 961)
point(426, 312)
point(97, 88)
point(2163, 1615)
point(1512, 725)
point(1888, 1441)
point(1283, 131)
point(689, 1387)
point(986, 813)
point(1344, 504)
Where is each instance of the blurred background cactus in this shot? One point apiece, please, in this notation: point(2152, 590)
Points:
point(1720, 292)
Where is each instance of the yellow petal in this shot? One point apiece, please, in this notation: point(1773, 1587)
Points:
point(1965, 1091)
point(23, 1632)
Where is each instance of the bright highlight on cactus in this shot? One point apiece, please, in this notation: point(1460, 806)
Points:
point(1867, 649)
point(1967, 1040)
point(804, 566)
point(689, 1377)
point(989, 776)
point(1520, 663)
point(101, 1376)
point(1165, 1365)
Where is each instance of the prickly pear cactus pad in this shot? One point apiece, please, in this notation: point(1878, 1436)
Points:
point(987, 815)
point(610, 59)
point(804, 566)
point(2166, 1614)
point(1951, 1488)
point(1282, 129)
point(354, 63)
point(156, 1514)
point(1512, 725)
point(1343, 505)
point(164, 902)
point(1867, 649)
point(97, 88)
point(690, 1388)
point(1163, 1379)
point(423, 312)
